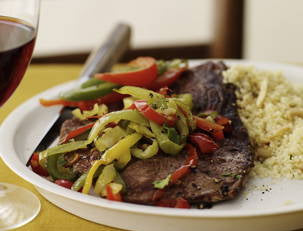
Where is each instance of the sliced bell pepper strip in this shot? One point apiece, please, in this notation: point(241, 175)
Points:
point(192, 160)
point(207, 125)
point(179, 173)
point(152, 114)
point(164, 91)
point(88, 93)
point(187, 113)
point(167, 78)
point(141, 94)
point(181, 125)
point(165, 144)
point(123, 160)
point(55, 167)
point(97, 111)
point(215, 129)
point(181, 203)
point(141, 130)
point(78, 132)
point(112, 196)
point(91, 82)
point(78, 184)
point(227, 123)
point(36, 167)
point(64, 183)
point(112, 97)
point(142, 77)
point(116, 116)
point(204, 142)
point(110, 138)
point(109, 156)
point(108, 175)
point(149, 152)
point(62, 148)
point(186, 99)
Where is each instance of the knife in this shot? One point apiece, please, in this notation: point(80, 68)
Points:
point(100, 60)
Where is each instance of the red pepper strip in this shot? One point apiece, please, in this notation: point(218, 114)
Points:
point(193, 157)
point(36, 167)
point(78, 131)
point(167, 78)
point(165, 91)
point(179, 173)
point(64, 183)
point(112, 196)
point(143, 77)
point(158, 194)
point(174, 203)
point(204, 142)
point(218, 134)
point(153, 115)
point(85, 104)
point(51, 102)
point(224, 122)
point(214, 128)
point(132, 107)
point(191, 160)
point(182, 203)
point(206, 125)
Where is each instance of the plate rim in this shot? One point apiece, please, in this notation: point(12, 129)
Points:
point(10, 125)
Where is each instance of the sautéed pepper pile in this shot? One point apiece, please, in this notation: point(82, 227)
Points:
point(153, 121)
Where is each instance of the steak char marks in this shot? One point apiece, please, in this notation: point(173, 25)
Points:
point(218, 176)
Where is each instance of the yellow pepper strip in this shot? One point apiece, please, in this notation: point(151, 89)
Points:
point(108, 175)
point(123, 160)
point(140, 93)
point(141, 129)
point(100, 125)
point(109, 156)
point(149, 152)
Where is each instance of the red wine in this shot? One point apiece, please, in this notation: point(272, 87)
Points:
point(17, 40)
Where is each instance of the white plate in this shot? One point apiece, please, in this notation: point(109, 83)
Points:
point(278, 208)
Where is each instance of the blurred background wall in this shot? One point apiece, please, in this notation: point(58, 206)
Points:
point(256, 29)
point(273, 30)
point(72, 26)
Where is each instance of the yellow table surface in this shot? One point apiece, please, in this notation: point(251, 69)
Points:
point(37, 79)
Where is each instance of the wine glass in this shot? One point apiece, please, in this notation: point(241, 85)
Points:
point(18, 30)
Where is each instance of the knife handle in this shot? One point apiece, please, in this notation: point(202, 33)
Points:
point(105, 56)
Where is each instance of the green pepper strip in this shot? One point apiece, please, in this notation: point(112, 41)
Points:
point(89, 93)
point(109, 138)
point(91, 82)
point(107, 176)
point(109, 156)
point(116, 116)
point(55, 167)
point(140, 93)
point(78, 184)
point(166, 145)
point(149, 152)
point(62, 148)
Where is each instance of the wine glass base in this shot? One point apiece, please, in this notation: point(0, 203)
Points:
point(18, 206)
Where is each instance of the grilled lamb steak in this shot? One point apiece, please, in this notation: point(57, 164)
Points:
point(219, 176)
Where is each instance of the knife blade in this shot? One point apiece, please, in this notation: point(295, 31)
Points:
point(100, 60)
